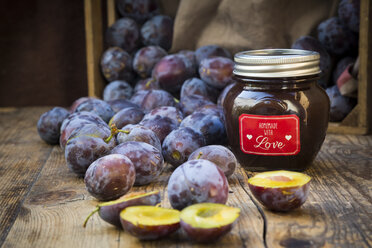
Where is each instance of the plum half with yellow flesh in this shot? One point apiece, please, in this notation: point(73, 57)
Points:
point(205, 222)
point(149, 222)
point(110, 211)
point(280, 190)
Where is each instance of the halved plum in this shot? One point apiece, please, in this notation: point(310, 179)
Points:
point(280, 190)
point(205, 222)
point(110, 211)
point(149, 222)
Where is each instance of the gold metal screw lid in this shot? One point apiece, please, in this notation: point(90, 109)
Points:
point(276, 63)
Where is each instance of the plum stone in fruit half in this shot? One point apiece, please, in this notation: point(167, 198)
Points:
point(206, 222)
point(197, 181)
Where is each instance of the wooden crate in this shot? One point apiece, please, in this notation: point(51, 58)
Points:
point(357, 122)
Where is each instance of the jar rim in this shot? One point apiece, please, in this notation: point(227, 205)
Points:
point(274, 63)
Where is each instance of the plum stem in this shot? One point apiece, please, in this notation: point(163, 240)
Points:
point(93, 212)
point(176, 100)
point(148, 83)
point(200, 154)
point(114, 131)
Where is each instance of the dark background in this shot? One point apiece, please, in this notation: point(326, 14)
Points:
point(42, 52)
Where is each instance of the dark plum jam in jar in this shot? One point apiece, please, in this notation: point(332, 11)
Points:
point(276, 114)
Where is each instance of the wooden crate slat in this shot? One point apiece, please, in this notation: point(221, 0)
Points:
point(94, 46)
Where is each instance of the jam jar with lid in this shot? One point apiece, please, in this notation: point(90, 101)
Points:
point(276, 114)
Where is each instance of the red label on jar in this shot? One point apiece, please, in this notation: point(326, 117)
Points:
point(269, 135)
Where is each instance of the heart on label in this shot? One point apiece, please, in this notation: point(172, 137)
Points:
point(249, 136)
point(288, 137)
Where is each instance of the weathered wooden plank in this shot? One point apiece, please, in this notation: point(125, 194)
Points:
point(338, 212)
point(53, 213)
point(22, 156)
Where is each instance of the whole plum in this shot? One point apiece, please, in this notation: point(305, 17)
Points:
point(150, 99)
point(190, 55)
point(116, 64)
point(138, 133)
point(340, 105)
point(120, 104)
point(223, 94)
point(196, 86)
point(91, 129)
point(189, 104)
point(165, 111)
point(138, 10)
point(341, 66)
point(77, 103)
point(110, 177)
point(171, 71)
point(210, 51)
point(336, 38)
point(312, 44)
point(118, 89)
point(147, 84)
point(349, 14)
point(160, 125)
point(77, 120)
point(146, 58)
point(158, 31)
point(83, 150)
point(127, 116)
point(197, 181)
point(220, 155)
point(147, 160)
point(211, 109)
point(216, 71)
point(97, 106)
point(49, 124)
point(124, 33)
point(180, 143)
point(211, 126)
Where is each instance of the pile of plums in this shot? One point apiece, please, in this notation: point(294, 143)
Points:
point(156, 108)
point(337, 43)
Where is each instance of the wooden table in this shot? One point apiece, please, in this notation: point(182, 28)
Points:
point(43, 204)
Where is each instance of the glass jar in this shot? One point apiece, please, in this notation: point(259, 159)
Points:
point(276, 114)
